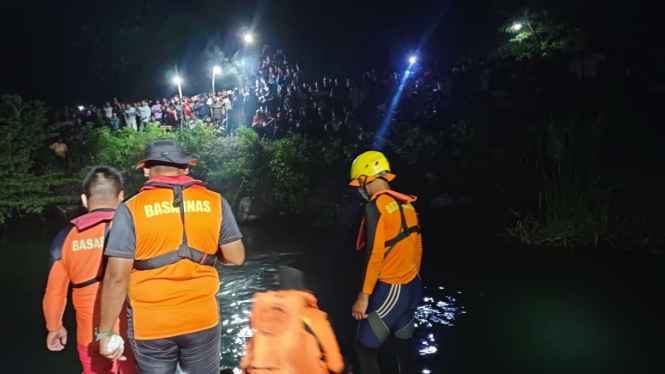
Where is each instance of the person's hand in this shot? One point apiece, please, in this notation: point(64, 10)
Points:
point(360, 307)
point(116, 354)
point(56, 340)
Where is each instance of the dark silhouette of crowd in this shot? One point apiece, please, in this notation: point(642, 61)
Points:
point(278, 97)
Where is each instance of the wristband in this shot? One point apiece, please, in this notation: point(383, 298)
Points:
point(103, 335)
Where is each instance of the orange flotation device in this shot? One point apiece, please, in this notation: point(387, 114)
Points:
point(283, 342)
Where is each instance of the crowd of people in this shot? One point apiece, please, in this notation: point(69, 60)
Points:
point(277, 97)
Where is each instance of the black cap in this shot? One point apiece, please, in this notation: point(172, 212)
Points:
point(291, 279)
point(167, 151)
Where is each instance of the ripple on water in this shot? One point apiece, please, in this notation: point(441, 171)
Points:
point(439, 308)
point(235, 297)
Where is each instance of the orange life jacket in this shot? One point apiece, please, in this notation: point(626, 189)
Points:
point(284, 341)
point(88, 227)
point(172, 288)
point(79, 260)
point(404, 232)
point(184, 251)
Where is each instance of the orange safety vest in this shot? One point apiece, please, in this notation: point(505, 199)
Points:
point(292, 336)
point(173, 285)
point(184, 251)
point(81, 263)
point(404, 232)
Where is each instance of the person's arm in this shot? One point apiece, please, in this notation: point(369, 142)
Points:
point(419, 251)
point(231, 249)
point(120, 250)
point(114, 291)
point(375, 246)
point(374, 223)
point(55, 297)
point(232, 254)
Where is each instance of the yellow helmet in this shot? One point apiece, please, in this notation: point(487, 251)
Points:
point(370, 165)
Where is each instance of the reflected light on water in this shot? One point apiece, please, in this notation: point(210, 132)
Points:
point(439, 309)
point(235, 299)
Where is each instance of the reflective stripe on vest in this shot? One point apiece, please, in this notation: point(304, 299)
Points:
point(404, 231)
point(100, 277)
point(184, 251)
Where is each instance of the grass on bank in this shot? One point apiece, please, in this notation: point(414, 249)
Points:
point(583, 204)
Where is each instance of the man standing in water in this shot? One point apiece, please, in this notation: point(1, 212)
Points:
point(391, 286)
point(162, 252)
point(77, 257)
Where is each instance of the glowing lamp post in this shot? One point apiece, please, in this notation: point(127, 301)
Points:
point(177, 80)
point(248, 38)
point(216, 70)
point(412, 60)
point(516, 27)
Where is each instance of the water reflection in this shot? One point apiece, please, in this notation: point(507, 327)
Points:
point(237, 286)
point(439, 308)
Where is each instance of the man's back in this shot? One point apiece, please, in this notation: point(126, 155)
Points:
point(293, 336)
point(77, 254)
point(398, 262)
point(178, 298)
point(162, 252)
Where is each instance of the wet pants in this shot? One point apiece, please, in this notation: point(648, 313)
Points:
point(197, 353)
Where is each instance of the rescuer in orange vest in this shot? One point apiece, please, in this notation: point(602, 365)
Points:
point(391, 287)
point(162, 253)
point(77, 258)
point(292, 335)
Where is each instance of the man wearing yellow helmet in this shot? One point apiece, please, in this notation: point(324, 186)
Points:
point(391, 287)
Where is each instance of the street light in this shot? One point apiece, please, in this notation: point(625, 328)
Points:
point(248, 38)
point(516, 27)
point(177, 80)
point(412, 60)
point(216, 70)
point(81, 107)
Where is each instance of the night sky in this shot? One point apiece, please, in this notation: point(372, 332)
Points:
point(326, 37)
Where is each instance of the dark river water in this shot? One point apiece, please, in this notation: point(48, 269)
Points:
point(490, 306)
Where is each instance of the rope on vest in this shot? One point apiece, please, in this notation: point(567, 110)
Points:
point(404, 232)
point(184, 251)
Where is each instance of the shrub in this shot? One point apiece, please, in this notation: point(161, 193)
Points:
point(582, 204)
point(23, 132)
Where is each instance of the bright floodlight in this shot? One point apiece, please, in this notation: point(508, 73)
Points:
point(412, 60)
point(248, 38)
point(216, 70)
point(517, 26)
point(177, 80)
point(81, 107)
